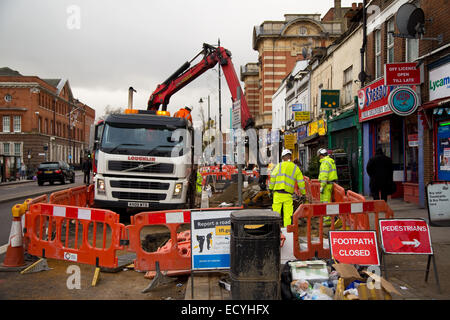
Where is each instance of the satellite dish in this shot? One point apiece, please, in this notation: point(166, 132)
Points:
point(410, 20)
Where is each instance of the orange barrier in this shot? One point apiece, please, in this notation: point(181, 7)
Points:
point(338, 194)
point(61, 197)
point(53, 231)
point(78, 196)
point(90, 196)
point(309, 247)
point(172, 257)
point(315, 190)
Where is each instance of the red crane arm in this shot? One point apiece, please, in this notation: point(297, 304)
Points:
point(186, 74)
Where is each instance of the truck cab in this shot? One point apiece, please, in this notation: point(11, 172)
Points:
point(143, 161)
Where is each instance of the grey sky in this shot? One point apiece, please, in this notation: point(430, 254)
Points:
point(135, 43)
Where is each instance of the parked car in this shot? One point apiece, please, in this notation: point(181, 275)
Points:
point(55, 171)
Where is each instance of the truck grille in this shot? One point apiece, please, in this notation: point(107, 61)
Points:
point(146, 167)
point(139, 185)
point(138, 196)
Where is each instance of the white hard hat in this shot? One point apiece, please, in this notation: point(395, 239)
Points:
point(286, 152)
point(322, 151)
point(189, 108)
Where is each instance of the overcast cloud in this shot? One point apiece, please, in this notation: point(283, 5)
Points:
point(135, 43)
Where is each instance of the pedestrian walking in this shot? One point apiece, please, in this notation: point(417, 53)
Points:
point(380, 170)
point(23, 171)
point(282, 182)
point(87, 170)
point(327, 176)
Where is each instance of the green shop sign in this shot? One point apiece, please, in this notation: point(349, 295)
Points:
point(329, 99)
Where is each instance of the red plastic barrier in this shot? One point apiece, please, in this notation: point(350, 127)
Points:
point(338, 194)
point(61, 197)
point(50, 234)
point(308, 248)
point(78, 196)
point(173, 256)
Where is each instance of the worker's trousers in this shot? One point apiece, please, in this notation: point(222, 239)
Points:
point(284, 205)
point(325, 197)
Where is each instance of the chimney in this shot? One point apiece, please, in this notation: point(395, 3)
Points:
point(337, 10)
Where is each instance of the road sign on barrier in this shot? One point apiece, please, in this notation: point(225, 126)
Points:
point(354, 247)
point(405, 236)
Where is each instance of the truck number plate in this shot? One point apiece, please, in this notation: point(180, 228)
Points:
point(138, 204)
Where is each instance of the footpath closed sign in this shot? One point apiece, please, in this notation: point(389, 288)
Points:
point(405, 236)
point(354, 247)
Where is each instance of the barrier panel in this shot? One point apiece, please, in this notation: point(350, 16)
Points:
point(338, 194)
point(78, 196)
point(90, 195)
point(309, 247)
point(61, 197)
point(174, 256)
point(53, 231)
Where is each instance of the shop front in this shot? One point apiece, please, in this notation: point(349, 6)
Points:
point(390, 121)
point(343, 134)
point(438, 111)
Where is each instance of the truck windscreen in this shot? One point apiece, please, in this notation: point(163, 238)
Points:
point(158, 142)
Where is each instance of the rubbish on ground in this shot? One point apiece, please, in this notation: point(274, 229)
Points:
point(312, 271)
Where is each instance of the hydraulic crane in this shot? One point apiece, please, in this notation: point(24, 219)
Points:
point(186, 74)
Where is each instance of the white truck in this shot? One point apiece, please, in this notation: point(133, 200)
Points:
point(143, 160)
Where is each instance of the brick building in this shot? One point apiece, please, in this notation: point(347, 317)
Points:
point(40, 121)
point(418, 143)
point(280, 44)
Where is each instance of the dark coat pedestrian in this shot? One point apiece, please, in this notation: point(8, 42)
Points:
point(86, 167)
point(380, 170)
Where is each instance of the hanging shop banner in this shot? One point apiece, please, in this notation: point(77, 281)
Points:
point(302, 116)
point(318, 126)
point(438, 198)
point(402, 74)
point(210, 239)
point(439, 85)
point(405, 236)
point(354, 247)
point(403, 101)
point(329, 99)
point(302, 132)
point(289, 141)
point(373, 101)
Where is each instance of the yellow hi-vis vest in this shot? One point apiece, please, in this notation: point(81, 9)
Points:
point(284, 176)
point(328, 173)
point(199, 182)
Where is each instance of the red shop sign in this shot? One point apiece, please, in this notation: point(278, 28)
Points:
point(405, 236)
point(373, 101)
point(354, 247)
point(401, 74)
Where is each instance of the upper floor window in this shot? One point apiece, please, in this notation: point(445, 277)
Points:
point(347, 85)
point(17, 122)
point(6, 124)
point(378, 54)
point(390, 41)
point(412, 49)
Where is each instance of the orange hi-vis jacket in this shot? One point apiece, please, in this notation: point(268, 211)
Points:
point(183, 113)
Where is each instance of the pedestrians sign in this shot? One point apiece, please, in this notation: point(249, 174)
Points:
point(354, 247)
point(405, 236)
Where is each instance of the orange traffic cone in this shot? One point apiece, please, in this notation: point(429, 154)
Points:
point(15, 252)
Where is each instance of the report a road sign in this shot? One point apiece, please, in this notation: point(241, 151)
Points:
point(354, 247)
point(405, 236)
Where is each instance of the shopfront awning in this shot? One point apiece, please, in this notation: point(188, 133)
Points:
point(437, 103)
point(309, 138)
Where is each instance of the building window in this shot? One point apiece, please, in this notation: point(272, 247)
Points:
point(17, 122)
point(377, 54)
point(348, 80)
point(412, 49)
point(6, 148)
point(390, 41)
point(6, 124)
point(17, 149)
